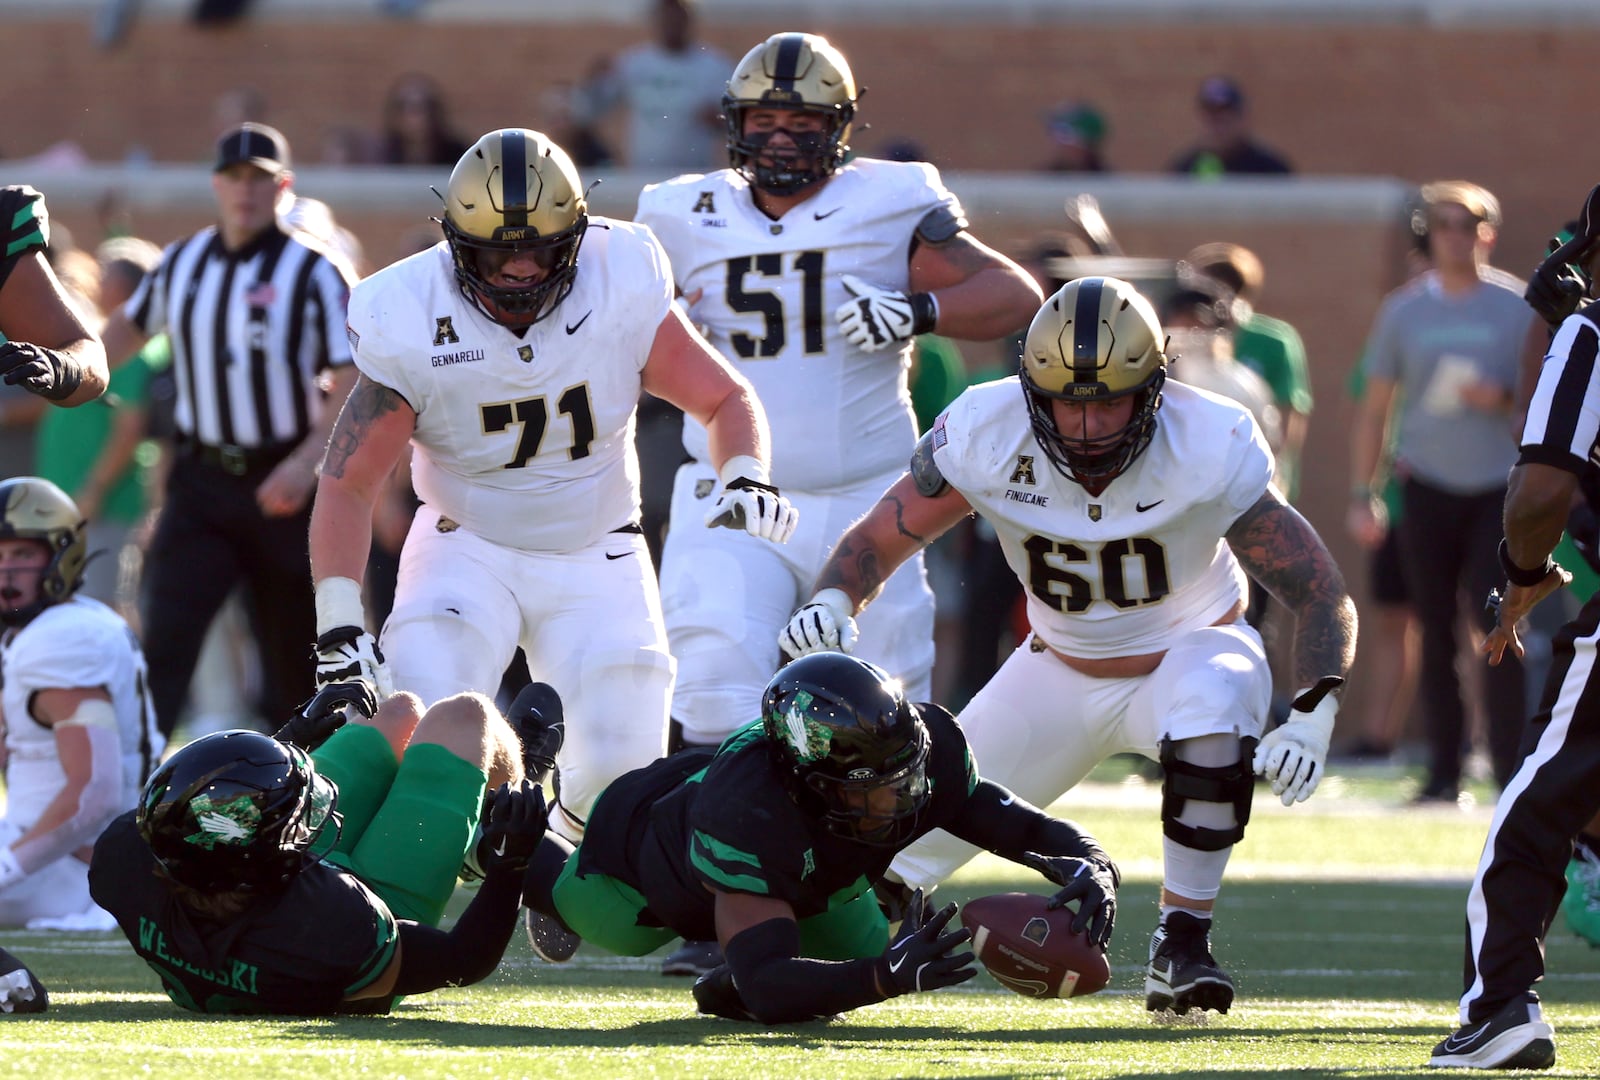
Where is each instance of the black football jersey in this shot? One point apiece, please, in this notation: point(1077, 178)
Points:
point(299, 953)
point(727, 822)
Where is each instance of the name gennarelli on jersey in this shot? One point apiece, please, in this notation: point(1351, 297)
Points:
point(466, 356)
point(1032, 498)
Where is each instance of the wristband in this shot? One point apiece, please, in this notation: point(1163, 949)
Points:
point(1525, 579)
point(924, 312)
point(751, 468)
point(339, 604)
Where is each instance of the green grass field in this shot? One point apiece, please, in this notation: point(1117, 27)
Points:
point(1341, 924)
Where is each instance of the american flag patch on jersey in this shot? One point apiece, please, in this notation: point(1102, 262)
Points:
point(261, 294)
point(940, 437)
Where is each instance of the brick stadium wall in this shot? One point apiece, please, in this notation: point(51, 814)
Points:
point(1492, 104)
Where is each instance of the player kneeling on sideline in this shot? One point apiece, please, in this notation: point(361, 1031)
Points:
point(255, 877)
point(1132, 536)
point(771, 844)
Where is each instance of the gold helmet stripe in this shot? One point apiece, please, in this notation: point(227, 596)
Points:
point(1086, 332)
point(514, 178)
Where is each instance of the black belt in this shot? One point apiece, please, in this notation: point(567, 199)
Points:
point(236, 460)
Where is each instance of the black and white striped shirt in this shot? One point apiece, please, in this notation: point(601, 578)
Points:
point(1563, 426)
point(251, 330)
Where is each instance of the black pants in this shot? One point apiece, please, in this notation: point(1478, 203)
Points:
point(1447, 551)
point(211, 536)
point(1552, 795)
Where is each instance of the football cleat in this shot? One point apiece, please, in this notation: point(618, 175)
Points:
point(1183, 974)
point(715, 995)
point(552, 942)
point(1516, 1037)
point(1581, 905)
point(20, 991)
point(540, 723)
point(693, 958)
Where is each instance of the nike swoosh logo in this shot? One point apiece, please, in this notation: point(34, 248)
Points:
point(1008, 800)
point(897, 963)
point(572, 328)
point(830, 213)
point(1141, 507)
point(624, 555)
point(1451, 1045)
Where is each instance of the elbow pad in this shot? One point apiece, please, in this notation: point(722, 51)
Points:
point(97, 802)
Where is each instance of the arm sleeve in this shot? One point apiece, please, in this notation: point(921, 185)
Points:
point(779, 986)
point(431, 958)
point(97, 802)
point(998, 821)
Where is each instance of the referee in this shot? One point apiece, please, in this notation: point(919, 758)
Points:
point(256, 317)
point(1555, 791)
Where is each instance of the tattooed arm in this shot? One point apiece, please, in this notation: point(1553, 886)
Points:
point(1284, 554)
point(902, 523)
point(368, 439)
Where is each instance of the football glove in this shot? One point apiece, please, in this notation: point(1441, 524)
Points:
point(1293, 756)
point(1554, 290)
point(513, 827)
point(1092, 884)
point(876, 318)
point(750, 503)
point(921, 957)
point(345, 652)
point(326, 712)
point(46, 372)
point(826, 622)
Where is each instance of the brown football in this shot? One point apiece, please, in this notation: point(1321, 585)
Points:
point(1033, 951)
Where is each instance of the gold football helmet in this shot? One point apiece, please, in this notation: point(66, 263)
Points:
point(515, 192)
point(803, 72)
point(32, 508)
point(1095, 340)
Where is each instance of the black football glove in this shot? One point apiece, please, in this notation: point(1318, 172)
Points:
point(921, 957)
point(1555, 290)
point(323, 713)
point(513, 827)
point(46, 372)
point(1092, 884)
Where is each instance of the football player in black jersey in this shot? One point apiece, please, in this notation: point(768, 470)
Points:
point(772, 844)
point(254, 878)
point(44, 345)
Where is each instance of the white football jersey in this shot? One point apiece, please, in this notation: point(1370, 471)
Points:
point(768, 292)
point(74, 644)
point(1124, 572)
point(525, 440)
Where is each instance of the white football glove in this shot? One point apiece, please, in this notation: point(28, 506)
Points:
point(747, 501)
point(880, 318)
point(825, 623)
point(1294, 755)
point(346, 652)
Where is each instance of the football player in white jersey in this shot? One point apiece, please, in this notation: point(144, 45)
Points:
point(80, 731)
point(1132, 537)
point(811, 274)
point(512, 364)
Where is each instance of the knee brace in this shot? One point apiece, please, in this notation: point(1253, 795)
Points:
point(1231, 785)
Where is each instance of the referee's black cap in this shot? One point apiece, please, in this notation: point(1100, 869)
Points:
point(253, 144)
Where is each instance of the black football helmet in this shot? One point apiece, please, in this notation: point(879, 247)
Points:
point(32, 508)
point(1095, 339)
point(515, 191)
point(849, 746)
point(238, 811)
point(802, 72)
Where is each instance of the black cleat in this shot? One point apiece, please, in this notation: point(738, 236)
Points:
point(540, 723)
point(552, 942)
point(715, 994)
point(1183, 974)
point(20, 990)
point(1516, 1037)
point(693, 958)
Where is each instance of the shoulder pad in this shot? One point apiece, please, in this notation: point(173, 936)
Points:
point(940, 225)
point(924, 470)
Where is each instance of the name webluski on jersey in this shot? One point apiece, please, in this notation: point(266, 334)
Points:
point(523, 438)
point(768, 290)
point(1122, 572)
